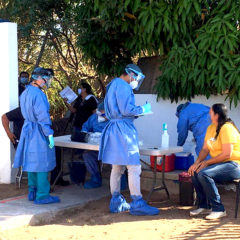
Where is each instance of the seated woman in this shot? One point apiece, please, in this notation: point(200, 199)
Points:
point(222, 141)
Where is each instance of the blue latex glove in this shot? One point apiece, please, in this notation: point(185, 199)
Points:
point(51, 141)
point(146, 108)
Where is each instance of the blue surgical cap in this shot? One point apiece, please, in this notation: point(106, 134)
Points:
point(181, 107)
point(134, 67)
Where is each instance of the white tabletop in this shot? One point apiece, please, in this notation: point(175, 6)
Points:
point(65, 141)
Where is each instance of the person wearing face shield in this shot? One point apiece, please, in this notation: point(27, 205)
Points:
point(119, 142)
point(95, 123)
point(35, 151)
point(22, 82)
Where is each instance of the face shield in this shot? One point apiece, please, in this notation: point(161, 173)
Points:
point(46, 75)
point(137, 76)
point(48, 80)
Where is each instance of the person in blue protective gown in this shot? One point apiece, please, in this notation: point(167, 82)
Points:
point(35, 151)
point(96, 123)
point(119, 142)
point(192, 117)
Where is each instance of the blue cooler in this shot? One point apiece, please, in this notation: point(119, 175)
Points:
point(183, 160)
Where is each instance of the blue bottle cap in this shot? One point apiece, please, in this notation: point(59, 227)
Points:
point(164, 127)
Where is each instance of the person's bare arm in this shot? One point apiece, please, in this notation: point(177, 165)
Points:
point(201, 157)
point(226, 153)
point(5, 123)
point(69, 106)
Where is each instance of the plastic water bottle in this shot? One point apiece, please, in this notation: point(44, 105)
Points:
point(165, 137)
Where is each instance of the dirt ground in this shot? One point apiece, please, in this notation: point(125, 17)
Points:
point(11, 190)
point(93, 221)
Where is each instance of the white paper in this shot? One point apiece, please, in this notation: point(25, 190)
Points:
point(68, 93)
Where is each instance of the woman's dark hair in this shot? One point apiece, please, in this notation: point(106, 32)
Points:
point(223, 118)
point(87, 87)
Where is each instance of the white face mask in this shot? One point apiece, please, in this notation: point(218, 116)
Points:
point(134, 84)
point(43, 86)
point(101, 119)
point(79, 91)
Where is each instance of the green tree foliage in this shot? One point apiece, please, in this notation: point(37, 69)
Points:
point(113, 31)
point(198, 40)
point(209, 62)
point(46, 37)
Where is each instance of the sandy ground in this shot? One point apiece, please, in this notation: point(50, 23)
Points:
point(94, 221)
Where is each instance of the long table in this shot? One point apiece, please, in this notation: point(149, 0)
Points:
point(65, 142)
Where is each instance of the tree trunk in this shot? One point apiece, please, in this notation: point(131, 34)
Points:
point(42, 49)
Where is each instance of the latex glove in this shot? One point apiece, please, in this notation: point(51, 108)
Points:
point(51, 141)
point(146, 108)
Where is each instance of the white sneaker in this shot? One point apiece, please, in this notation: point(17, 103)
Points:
point(216, 215)
point(200, 211)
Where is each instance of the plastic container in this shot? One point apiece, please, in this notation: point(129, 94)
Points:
point(169, 163)
point(165, 137)
point(186, 190)
point(94, 138)
point(183, 160)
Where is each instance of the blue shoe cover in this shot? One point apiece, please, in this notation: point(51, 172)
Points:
point(32, 194)
point(139, 207)
point(94, 182)
point(118, 204)
point(48, 200)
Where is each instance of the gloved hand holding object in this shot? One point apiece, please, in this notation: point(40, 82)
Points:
point(147, 108)
point(51, 141)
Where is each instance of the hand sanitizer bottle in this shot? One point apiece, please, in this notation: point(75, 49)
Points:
point(165, 137)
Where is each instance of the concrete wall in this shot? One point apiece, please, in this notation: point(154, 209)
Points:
point(150, 127)
point(8, 92)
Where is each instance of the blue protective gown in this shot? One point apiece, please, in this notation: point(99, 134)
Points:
point(92, 124)
point(195, 117)
point(119, 142)
point(33, 152)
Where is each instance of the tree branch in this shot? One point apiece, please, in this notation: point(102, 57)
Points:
point(24, 61)
point(42, 49)
point(73, 48)
point(59, 82)
point(55, 40)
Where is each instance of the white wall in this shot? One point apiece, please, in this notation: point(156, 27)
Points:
point(8, 92)
point(150, 127)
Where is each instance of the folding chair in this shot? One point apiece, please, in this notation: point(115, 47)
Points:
point(19, 177)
